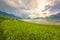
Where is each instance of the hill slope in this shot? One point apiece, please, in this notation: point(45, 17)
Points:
point(20, 30)
point(8, 15)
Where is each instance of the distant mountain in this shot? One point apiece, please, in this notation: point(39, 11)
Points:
point(54, 17)
point(57, 16)
point(8, 15)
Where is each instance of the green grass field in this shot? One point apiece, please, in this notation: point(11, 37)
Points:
point(11, 29)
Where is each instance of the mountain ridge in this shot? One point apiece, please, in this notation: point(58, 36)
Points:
point(8, 15)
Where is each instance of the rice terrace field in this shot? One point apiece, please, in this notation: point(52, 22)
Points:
point(12, 29)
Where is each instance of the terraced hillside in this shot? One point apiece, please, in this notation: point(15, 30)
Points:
point(11, 29)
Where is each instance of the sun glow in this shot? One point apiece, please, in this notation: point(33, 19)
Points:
point(40, 10)
point(41, 5)
point(33, 8)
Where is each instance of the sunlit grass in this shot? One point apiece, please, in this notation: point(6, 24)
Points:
point(20, 30)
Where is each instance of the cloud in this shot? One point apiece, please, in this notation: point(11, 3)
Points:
point(42, 9)
point(29, 8)
point(56, 7)
point(10, 6)
point(15, 3)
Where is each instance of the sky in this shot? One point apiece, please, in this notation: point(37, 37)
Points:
point(30, 8)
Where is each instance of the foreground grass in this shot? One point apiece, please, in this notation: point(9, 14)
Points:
point(20, 30)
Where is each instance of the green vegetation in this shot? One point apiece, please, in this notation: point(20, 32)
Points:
point(20, 30)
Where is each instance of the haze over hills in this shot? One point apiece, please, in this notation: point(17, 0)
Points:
point(52, 18)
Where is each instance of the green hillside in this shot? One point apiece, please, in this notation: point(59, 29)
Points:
point(11, 29)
